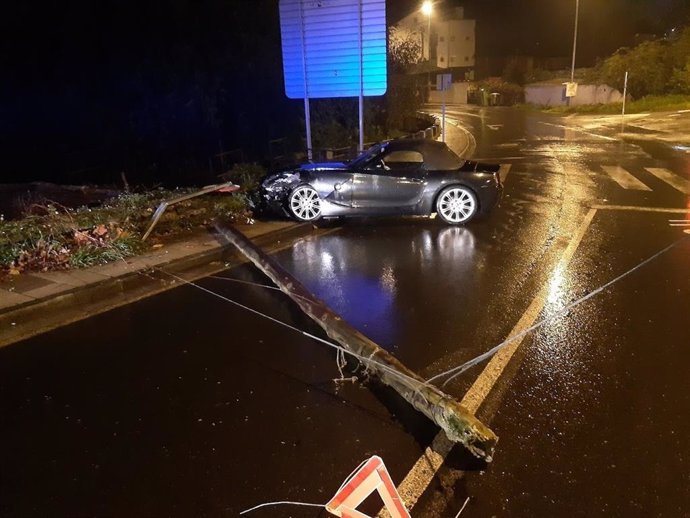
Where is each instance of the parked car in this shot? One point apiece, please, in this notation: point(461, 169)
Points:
point(398, 177)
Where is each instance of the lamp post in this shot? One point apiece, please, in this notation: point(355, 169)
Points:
point(577, 17)
point(427, 9)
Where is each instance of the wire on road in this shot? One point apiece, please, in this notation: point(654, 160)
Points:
point(456, 371)
point(337, 347)
point(267, 504)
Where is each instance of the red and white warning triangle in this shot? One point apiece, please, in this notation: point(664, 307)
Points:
point(372, 476)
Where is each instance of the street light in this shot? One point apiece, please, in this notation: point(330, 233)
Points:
point(577, 17)
point(427, 9)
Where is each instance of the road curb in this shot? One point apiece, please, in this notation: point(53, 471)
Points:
point(36, 317)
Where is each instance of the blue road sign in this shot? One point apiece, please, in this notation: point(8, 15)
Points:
point(333, 48)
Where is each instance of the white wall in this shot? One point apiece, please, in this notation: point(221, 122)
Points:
point(554, 95)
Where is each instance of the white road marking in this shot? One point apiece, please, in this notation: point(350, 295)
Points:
point(642, 209)
point(680, 224)
point(673, 180)
point(494, 127)
point(624, 178)
point(418, 479)
point(579, 130)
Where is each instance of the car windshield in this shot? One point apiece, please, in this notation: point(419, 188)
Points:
point(367, 155)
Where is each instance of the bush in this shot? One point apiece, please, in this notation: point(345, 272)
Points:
point(245, 175)
point(61, 238)
point(511, 93)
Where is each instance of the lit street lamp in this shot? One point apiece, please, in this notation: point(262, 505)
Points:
point(577, 16)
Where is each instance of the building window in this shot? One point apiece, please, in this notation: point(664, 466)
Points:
point(467, 38)
point(452, 38)
point(467, 58)
point(442, 39)
point(452, 59)
point(442, 59)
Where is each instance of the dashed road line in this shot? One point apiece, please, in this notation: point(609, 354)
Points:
point(624, 178)
point(418, 479)
point(673, 180)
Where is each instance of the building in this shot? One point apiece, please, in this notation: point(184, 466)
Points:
point(455, 41)
point(446, 39)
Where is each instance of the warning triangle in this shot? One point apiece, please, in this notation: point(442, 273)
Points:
point(372, 476)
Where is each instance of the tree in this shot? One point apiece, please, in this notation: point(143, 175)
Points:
point(404, 48)
point(648, 65)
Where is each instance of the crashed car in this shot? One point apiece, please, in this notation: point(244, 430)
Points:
point(398, 177)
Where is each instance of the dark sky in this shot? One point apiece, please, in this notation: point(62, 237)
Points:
point(142, 81)
point(545, 27)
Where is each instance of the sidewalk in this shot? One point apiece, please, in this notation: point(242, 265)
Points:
point(33, 303)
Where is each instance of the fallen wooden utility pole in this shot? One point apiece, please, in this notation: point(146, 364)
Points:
point(458, 423)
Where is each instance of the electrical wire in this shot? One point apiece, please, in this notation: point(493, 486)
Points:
point(456, 371)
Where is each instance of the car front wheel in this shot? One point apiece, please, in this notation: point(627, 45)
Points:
point(304, 203)
point(456, 205)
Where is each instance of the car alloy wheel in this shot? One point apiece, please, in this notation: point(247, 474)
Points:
point(456, 205)
point(305, 203)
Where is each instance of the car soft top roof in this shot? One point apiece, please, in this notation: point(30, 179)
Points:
point(437, 155)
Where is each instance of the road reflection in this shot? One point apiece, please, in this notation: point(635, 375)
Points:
point(373, 280)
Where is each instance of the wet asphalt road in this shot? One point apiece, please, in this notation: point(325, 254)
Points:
point(184, 405)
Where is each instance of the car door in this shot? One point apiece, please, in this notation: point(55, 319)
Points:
point(334, 186)
point(393, 183)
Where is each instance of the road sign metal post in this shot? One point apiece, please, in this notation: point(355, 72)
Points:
point(625, 92)
point(334, 48)
point(444, 82)
point(307, 111)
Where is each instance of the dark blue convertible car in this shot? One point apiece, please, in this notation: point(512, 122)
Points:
point(399, 177)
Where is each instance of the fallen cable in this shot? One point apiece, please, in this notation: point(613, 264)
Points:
point(456, 371)
point(267, 504)
point(297, 330)
point(463, 507)
point(249, 283)
point(347, 479)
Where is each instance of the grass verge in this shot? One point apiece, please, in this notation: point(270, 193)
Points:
point(54, 237)
point(652, 103)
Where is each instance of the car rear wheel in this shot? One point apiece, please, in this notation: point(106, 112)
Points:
point(304, 203)
point(456, 204)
